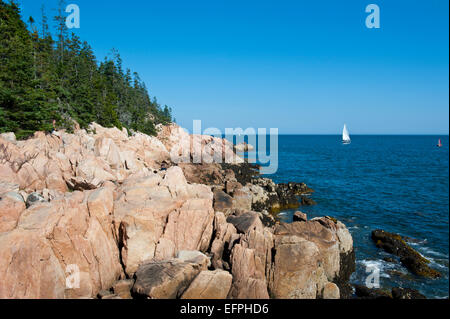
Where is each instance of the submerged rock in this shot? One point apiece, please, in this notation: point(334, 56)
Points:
point(278, 197)
point(410, 258)
point(406, 293)
point(372, 293)
point(363, 292)
point(306, 201)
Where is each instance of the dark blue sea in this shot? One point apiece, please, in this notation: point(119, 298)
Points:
point(396, 183)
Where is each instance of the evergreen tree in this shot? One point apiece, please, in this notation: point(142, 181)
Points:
point(22, 102)
point(42, 80)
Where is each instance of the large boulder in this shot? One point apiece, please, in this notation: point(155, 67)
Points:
point(29, 179)
point(261, 240)
point(242, 199)
point(297, 271)
point(190, 227)
point(150, 149)
point(139, 226)
point(209, 285)
point(222, 201)
point(52, 239)
point(91, 173)
point(29, 268)
point(251, 258)
point(248, 275)
point(164, 279)
point(156, 217)
point(331, 291)
point(7, 175)
point(300, 217)
point(203, 173)
point(55, 181)
point(11, 206)
point(308, 256)
point(194, 256)
point(108, 150)
point(246, 221)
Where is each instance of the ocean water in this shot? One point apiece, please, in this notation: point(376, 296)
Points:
point(396, 183)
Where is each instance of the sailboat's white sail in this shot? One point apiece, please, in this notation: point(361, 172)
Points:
point(345, 135)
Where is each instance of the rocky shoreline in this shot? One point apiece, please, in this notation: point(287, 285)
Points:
point(119, 218)
point(133, 223)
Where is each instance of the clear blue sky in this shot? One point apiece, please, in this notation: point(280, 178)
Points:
point(301, 66)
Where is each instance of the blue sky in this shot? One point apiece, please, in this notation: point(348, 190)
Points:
point(304, 67)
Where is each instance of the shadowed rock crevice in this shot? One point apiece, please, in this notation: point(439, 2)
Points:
point(346, 269)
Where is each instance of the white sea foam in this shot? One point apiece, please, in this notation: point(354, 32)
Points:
point(429, 251)
point(434, 263)
point(378, 264)
point(417, 243)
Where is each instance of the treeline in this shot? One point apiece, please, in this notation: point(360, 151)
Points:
point(45, 78)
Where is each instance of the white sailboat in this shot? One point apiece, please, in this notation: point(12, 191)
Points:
point(346, 136)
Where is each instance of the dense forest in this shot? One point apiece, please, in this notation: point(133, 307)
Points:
point(45, 77)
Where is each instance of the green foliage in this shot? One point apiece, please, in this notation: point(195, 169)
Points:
point(42, 80)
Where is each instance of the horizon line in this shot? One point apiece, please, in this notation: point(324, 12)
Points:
point(362, 134)
point(367, 134)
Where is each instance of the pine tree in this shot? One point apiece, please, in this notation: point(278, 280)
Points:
point(23, 104)
point(42, 80)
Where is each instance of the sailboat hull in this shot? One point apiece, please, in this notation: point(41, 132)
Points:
point(345, 136)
